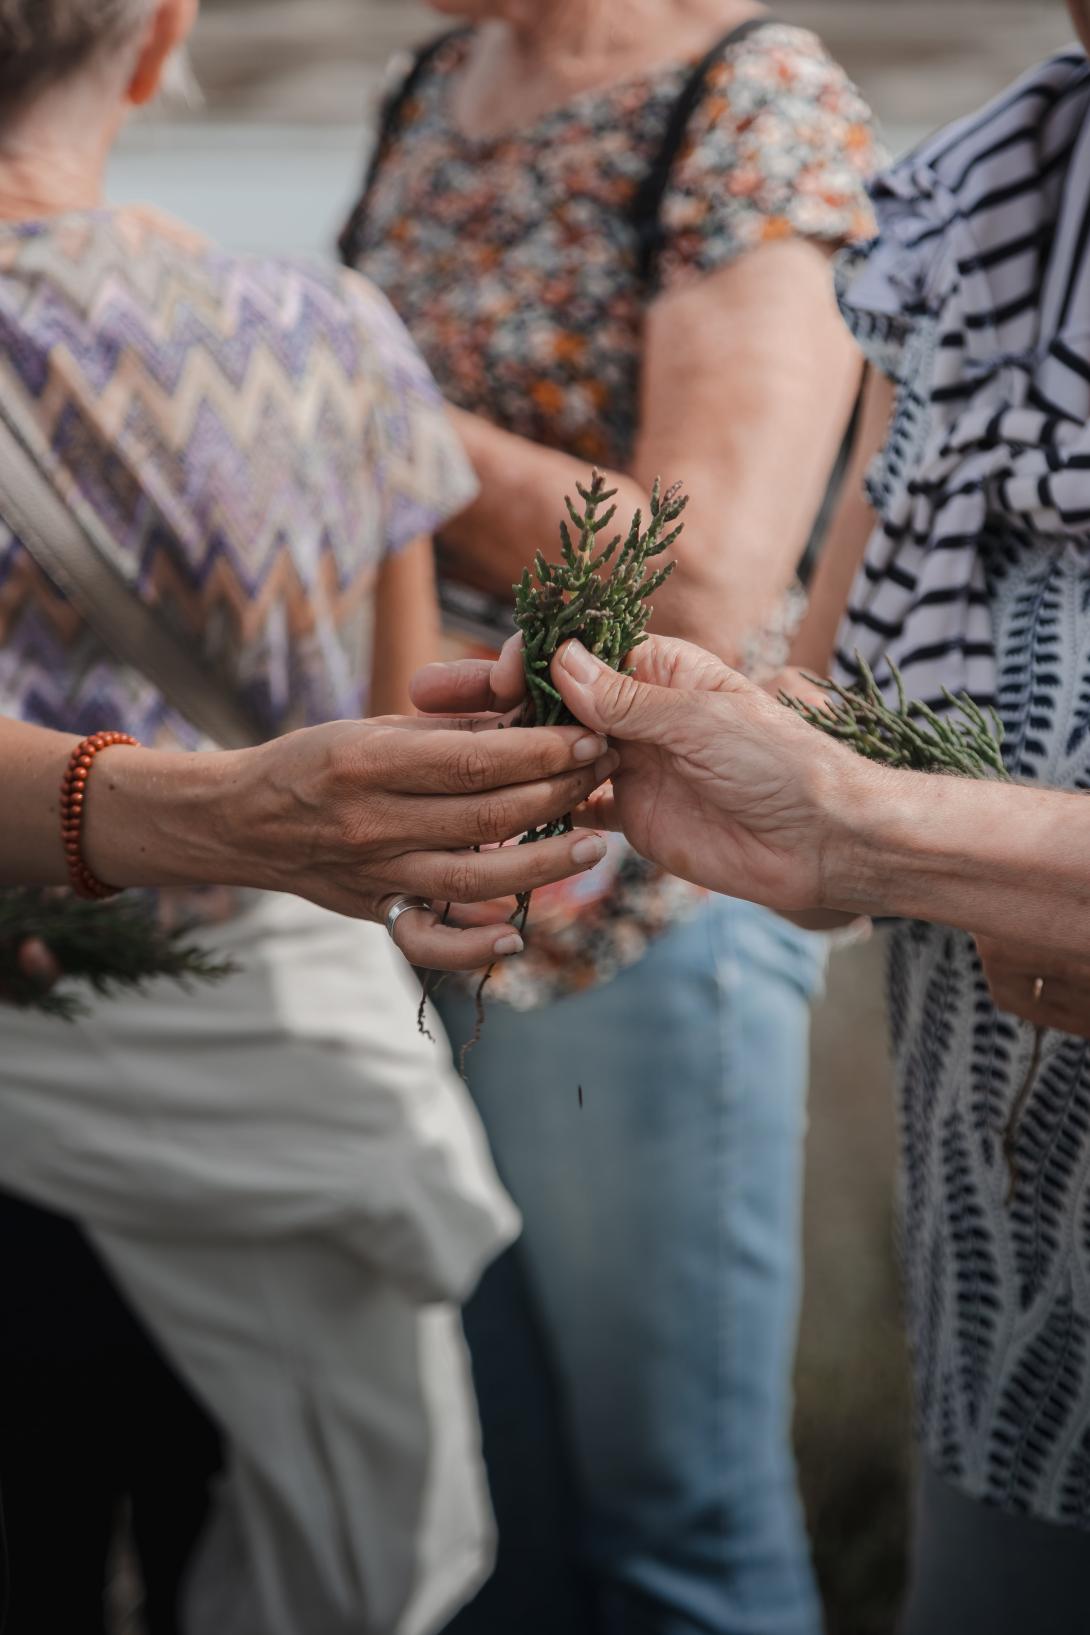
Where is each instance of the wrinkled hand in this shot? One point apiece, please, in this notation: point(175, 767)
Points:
point(1013, 975)
point(356, 814)
point(716, 782)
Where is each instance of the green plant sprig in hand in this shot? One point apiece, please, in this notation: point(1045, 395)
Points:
point(113, 948)
point(575, 598)
point(910, 736)
point(599, 593)
point(966, 744)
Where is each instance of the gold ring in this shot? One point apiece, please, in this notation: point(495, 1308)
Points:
point(1038, 989)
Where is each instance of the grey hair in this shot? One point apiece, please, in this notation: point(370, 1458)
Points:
point(44, 41)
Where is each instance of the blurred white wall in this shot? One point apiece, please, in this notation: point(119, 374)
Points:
point(256, 188)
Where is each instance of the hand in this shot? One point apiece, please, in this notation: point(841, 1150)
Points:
point(37, 965)
point(716, 782)
point(1013, 975)
point(356, 814)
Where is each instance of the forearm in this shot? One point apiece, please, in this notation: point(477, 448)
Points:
point(519, 508)
point(152, 818)
point(718, 600)
point(996, 860)
point(406, 627)
point(850, 529)
point(727, 576)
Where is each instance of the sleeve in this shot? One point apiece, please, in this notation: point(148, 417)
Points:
point(892, 289)
point(781, 145)
point(414, 458)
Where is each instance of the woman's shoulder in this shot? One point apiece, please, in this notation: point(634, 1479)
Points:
point(781, 144)
point(296, 305)
point(782, 60)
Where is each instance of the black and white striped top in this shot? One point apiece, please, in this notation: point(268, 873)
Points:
point(975, 299)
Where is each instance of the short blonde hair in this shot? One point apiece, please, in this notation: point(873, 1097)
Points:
point(44, 41)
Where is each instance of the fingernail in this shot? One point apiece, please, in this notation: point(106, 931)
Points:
point(578, 662)
point(589, 748)
point(589, 851)
point(607, 766)
point(506, 946)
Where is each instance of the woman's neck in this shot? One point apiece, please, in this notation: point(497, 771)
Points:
point(585, 39)
point(538, 57)
point(52, 163)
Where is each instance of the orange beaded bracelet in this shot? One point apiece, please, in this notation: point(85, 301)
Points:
point(73, 796)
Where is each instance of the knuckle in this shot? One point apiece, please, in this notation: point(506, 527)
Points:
point(619, 698)
point(470, 766)
point(461, 882)
point(495, 818)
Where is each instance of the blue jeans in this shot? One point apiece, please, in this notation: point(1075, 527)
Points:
point(633, 1352)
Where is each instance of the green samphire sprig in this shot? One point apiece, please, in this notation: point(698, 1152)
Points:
point(966, 744)
point(111, 948)
point(598, 592)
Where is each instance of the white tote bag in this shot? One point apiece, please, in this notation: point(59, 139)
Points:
point(292, 1188)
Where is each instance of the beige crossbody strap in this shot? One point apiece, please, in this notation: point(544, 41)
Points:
point(74, 551)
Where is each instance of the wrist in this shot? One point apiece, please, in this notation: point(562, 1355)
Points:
point(163, 818)
point(922, 846)
point(872, 819)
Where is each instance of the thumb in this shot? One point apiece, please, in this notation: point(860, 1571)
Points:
point(616, 705)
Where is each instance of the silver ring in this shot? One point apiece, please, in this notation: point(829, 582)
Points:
point(404, 905)
point(1038, 989)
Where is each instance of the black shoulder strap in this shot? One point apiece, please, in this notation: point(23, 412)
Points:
point(838, 478)
point(647, 205)
point(389, 122)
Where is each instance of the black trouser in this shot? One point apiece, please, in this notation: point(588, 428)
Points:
point(91, 1415)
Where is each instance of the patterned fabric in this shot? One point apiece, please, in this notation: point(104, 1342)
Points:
point(975, 301)
point(513, 260)
point(998, 1289)
point(256, 437)
point(514, 263)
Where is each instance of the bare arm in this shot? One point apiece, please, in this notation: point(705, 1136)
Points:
point(1003, 862)
point(722, 786)
point(748, 388)
point(748, 382)
point(406, 631)
point(350, 815)
point(851, 528)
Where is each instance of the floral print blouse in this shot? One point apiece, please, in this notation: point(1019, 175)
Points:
point(513, 262)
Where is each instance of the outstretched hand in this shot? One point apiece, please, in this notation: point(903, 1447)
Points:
point(716, 782)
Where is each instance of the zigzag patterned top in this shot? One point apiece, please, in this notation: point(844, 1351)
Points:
point(255, 435)
point(980, 576)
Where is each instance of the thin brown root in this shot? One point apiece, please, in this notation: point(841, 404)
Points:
point(1010, 1132)
point(427, 988)
point(430, 982)
point(478, 1028)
